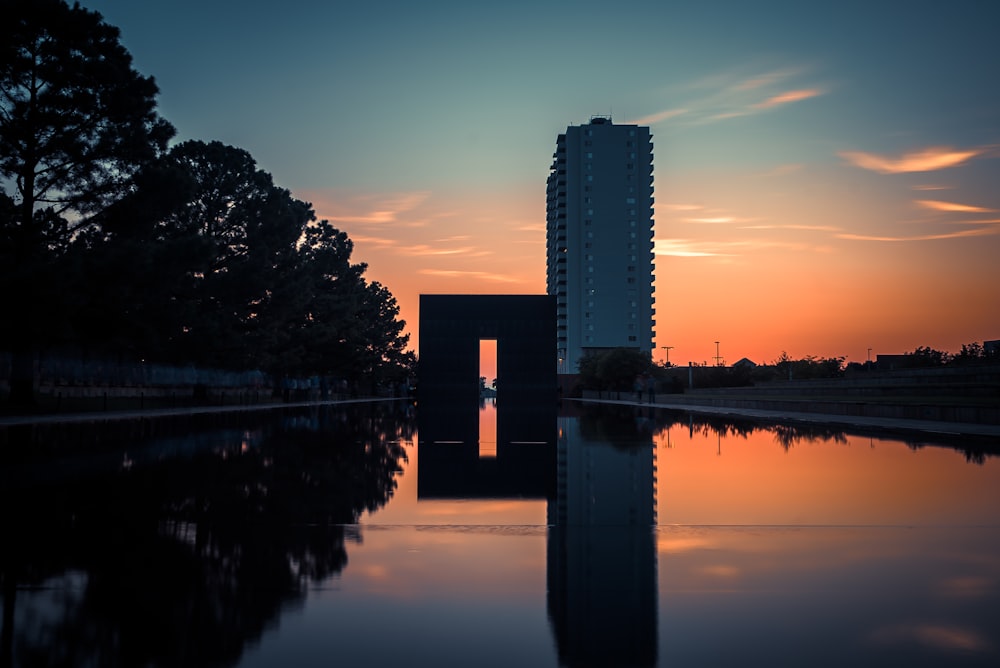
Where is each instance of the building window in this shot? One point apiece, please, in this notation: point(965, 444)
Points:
point(590, 156)
point(631, 338)
point(630, 200)
point(590, 177)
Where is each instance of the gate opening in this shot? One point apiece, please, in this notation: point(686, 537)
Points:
point(487, 397)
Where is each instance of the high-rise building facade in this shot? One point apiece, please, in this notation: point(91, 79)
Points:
point(599, 239)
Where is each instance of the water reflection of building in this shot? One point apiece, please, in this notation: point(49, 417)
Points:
point(602, 583)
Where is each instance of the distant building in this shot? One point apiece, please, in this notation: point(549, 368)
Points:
point(599, 239)
point(745, 363)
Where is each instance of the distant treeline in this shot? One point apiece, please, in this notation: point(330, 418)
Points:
point(113, 242)
point(623, 369)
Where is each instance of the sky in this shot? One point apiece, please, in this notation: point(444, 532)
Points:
point(826, 177)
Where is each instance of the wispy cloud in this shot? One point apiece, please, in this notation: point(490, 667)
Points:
point(978, 232)
point(718, 220)
point(681, 207)
point(685, 248)
point(659, 116)
point(928, 160)
point(938, 205)
point(375, 241)
point(808, 228)
point(931, 186)
point(788, 97)
point(731, 95)
point(426, 250)
point(481, 275)
point(378, 209)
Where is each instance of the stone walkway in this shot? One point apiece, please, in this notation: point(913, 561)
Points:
point(101, 416)
point(890, 424)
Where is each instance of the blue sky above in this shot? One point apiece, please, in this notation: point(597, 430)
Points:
point(827, 137)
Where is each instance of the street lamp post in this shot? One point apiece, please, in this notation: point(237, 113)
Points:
point(666, 360)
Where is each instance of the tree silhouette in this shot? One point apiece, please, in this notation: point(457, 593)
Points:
point(76, 123)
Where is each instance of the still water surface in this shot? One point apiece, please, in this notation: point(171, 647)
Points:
point(603, 536)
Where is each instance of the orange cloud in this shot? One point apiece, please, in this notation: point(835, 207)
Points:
point(715, 220)
point(664, 115)
point(811, 228)
point(371, 209)
point(422, 250)
point(788, 97)
point(928, 160)
point(486, 276)
point(981, 232)
point(938, 205)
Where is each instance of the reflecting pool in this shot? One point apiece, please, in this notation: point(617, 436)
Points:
point(522, 536)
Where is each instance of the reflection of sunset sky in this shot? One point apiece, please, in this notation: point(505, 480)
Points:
point(860, 481)
point(825, 177)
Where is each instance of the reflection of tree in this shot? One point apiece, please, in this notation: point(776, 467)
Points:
point(788, 435)
point(186, 560)
point(618, 425)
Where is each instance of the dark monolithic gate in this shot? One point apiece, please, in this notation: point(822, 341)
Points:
point(451, 328)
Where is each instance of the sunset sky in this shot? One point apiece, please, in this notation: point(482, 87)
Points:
point(826, 177)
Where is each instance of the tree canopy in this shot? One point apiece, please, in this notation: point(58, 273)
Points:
point(114, 242)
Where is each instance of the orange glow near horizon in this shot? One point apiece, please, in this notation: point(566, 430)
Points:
point(801, 259)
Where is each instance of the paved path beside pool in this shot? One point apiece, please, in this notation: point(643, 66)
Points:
point(100, 416)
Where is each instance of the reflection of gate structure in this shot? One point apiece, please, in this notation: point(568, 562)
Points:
point(451, 327)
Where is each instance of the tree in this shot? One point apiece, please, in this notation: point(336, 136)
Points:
point(924, 356)
point(241, 277)
point(77, 122)
point(613, 369)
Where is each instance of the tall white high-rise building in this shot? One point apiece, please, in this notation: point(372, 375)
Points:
point(599, 239)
